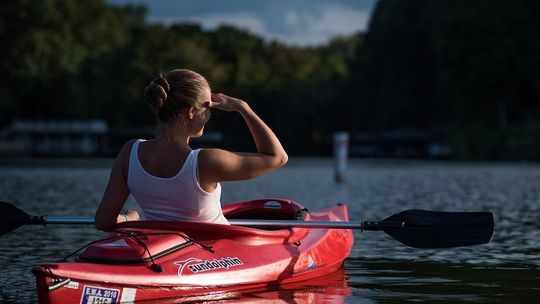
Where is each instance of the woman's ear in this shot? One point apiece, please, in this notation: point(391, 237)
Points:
point(190, 112)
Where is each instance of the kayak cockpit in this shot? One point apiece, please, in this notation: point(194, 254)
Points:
point(142, 241)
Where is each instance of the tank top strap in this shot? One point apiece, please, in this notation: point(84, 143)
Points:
point(134, 157)
point(194, 164)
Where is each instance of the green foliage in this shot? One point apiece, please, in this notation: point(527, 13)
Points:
point(45, 45)
point(469, 67)
point(86, 59)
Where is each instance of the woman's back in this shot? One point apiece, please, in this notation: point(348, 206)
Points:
point(161, 159)
point(177, 194)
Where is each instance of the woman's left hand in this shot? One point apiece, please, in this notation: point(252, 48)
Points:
point(133, 215)
point(130, 215)
point(226, 103)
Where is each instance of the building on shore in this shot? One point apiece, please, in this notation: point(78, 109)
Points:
point(74, 138)
point(53, 138)
point(401, 143)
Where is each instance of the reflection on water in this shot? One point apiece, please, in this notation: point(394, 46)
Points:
point(379, 270)
point(391, 281)
point(330, 289)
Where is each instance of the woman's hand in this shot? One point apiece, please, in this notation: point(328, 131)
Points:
point(130, 215)
point(133, 215)
point(217, 165)
point(226, 103)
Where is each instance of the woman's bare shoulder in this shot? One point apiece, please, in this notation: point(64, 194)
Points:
point(123, 155)
point(126, 148)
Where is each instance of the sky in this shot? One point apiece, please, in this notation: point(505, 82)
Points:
point(295, 22)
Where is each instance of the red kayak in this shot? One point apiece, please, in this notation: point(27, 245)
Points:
point(149, 260)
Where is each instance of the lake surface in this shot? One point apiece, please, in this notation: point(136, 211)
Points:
point(379, 269)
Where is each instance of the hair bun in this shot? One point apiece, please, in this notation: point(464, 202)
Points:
point(157, 92)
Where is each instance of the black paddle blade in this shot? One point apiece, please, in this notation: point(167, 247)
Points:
point(12, 218)
point(433, 229)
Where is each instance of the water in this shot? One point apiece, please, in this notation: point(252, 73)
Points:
point(379, 270)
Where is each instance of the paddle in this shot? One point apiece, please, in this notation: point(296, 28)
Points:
point(414, 228)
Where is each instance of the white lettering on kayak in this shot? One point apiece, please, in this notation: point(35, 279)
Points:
point(196, 265)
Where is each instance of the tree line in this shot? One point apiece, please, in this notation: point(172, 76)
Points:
point(467, 67)
point(471, 68)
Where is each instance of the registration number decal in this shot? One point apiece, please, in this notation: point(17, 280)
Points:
point(99, 295)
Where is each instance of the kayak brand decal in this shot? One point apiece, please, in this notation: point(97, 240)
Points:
point(196, 265)
point(99, 295)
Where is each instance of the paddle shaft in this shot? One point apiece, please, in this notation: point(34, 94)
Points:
point(414, 228)
point(363, 225)
point(68, 220)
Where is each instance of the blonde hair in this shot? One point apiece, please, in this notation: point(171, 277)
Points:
point(169, 94)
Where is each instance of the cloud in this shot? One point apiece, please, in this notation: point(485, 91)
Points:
point(241, 20)
point(292, 19)
point(337, 20)
point(299, 25)
point(317, 26)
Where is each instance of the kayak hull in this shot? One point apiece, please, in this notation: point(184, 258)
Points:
point(154, 260)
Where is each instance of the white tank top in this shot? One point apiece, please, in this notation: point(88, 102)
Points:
point(177, 198)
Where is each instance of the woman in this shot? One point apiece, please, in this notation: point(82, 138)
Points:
point(168, 179)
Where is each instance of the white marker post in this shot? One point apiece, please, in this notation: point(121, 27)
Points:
point(341, 151)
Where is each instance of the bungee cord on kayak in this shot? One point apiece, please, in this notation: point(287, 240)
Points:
point(140, 239)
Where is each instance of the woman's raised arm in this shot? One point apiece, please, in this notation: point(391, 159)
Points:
point(221, 165)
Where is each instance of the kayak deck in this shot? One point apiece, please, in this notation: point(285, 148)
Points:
point(148, 260)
